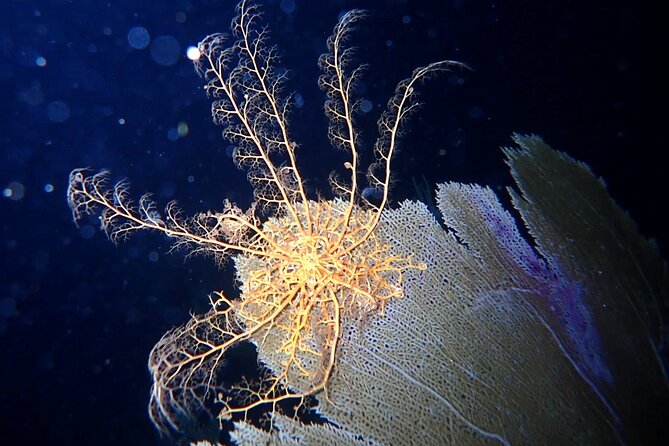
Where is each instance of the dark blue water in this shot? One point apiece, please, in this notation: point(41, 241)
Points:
point(108, 85)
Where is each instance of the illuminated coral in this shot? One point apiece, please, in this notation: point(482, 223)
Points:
point(405, 331)
point(306, 268)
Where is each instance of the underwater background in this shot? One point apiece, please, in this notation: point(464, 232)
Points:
point(108, 85)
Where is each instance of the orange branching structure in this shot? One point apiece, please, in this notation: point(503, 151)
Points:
point(304, 270)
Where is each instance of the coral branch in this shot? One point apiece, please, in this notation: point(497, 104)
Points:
point(120, 217)
point(247, 88)
point(400, 106)
point(338, 82)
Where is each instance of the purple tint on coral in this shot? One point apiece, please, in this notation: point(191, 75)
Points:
point(566, 297)
point(503, 226)
point(568, 304)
